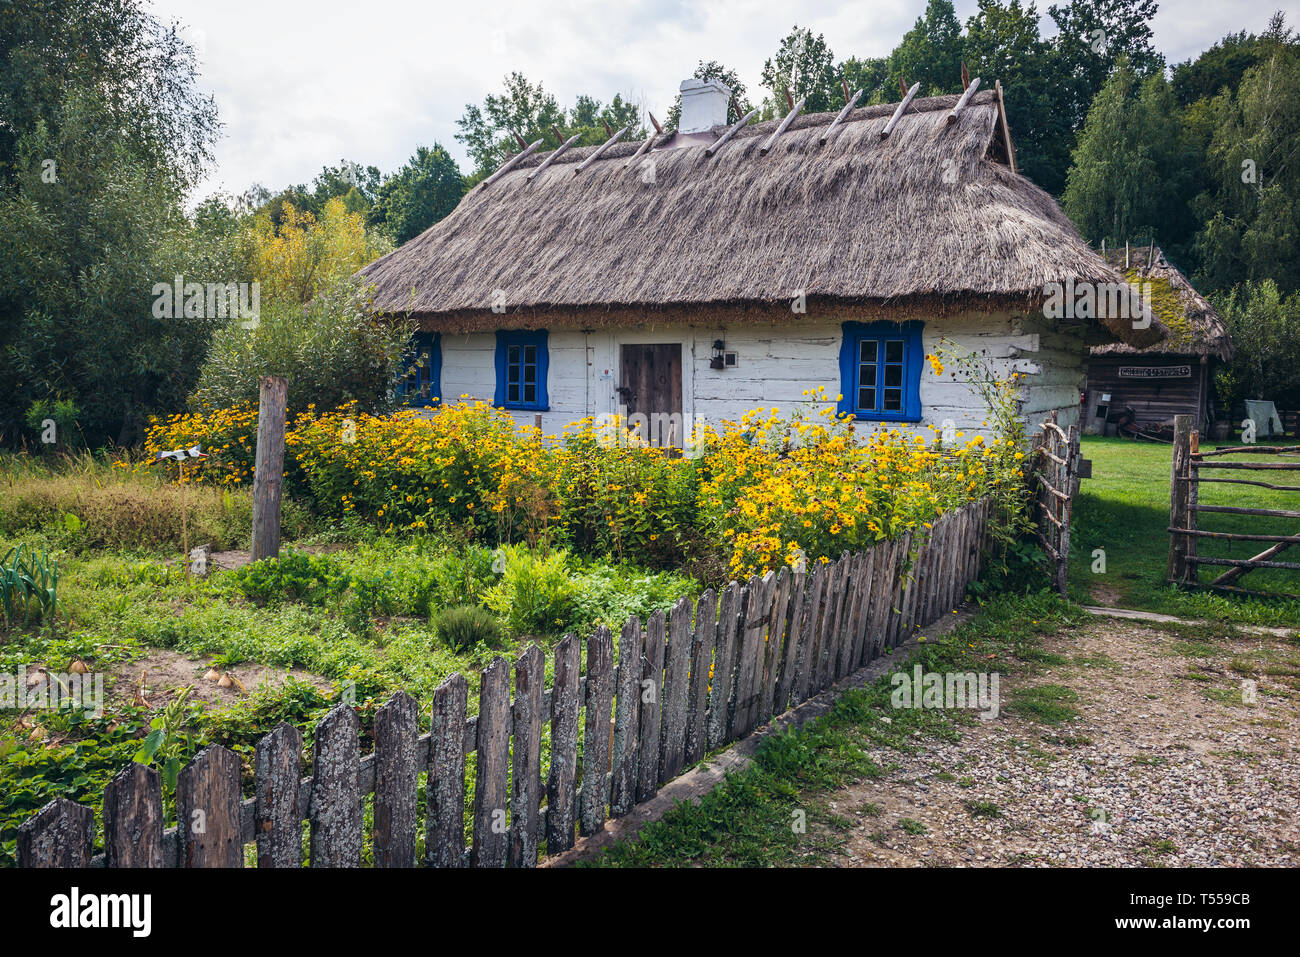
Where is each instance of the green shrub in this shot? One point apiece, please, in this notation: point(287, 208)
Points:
point(294, 576)
point(536, 595)
point(332, 350)
point(451, 578)
point(464, 627)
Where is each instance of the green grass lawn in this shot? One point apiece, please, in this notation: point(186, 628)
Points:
point(1124, 510)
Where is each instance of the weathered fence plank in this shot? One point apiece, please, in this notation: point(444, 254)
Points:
point(396, 772)
point(724, 660)
point(562, 786)
point(749, 664)
point(133, 818)
point(806, 661)
point(277, 768)
point(596, 738)
point(672, 744)
point(703, 638)
point(207, 810)
point(800, 593)
point(772, 646)
point(627, 720)
point(652, 687)
point(491, 831)
point(444, 820)
point(844, 627)
point(526, 758)
point(861, 609)
point(336, 791)
point(845, 662)
point(61, 834)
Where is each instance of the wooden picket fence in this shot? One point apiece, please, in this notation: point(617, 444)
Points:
point(685, 685)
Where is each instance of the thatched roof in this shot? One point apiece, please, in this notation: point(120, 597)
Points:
point(1195, 328)
point(931, 218)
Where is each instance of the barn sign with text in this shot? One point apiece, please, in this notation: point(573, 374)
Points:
point(1155, 372)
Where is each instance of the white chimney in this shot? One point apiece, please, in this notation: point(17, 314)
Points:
point(704, 105)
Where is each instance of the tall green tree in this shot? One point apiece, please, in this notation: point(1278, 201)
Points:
point(419, 194)
point(1252, 211)
point(930, 52)
point(1003, 43)
point(82, 255)
point(1132, 166)
point(142, 70)
point(1219, 68)
point(804, 66)
point(103, 127)
point(1091, 37)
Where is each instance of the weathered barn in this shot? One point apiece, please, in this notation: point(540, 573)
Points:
point(726, 269)
point(1144, 388)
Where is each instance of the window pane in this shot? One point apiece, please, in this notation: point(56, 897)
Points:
point(893, 375)
point(530, 392)
point(868, 376)
point(893, 400)
point(867, 400)
point(894, 350)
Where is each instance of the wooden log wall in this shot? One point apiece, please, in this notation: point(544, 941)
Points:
point(685, 683)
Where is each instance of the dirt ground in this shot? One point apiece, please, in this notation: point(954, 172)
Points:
point(161, 673)
point(1164, 765)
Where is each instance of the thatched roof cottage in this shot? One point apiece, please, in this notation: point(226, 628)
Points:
point(718, 269)
point(1172, 377)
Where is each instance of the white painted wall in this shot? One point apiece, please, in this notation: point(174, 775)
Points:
point(777, 362)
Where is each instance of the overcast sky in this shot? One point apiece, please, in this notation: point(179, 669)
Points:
point(302, 84)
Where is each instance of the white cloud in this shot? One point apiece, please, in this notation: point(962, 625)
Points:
point(303, 84)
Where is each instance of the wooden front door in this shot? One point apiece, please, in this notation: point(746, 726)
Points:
point(650, 385)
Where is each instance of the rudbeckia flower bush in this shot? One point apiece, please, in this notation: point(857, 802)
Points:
point(771, 490)
point(788, 489)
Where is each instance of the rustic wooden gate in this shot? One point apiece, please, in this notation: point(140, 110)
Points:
point(1185, 508)
point(1056, 479)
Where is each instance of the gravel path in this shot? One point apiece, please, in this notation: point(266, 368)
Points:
point(1164, 764)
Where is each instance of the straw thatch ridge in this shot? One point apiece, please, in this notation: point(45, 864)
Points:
point(931, 213)
point(1195, 327)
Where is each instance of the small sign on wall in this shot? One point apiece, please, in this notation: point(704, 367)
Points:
point(1155, 372)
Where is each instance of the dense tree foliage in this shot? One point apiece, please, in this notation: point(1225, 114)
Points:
point(1133, 166)
point(489, 131)
point(419, 194)
point(102, 128)
point(804, 66)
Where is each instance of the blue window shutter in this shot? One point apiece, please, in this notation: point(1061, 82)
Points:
point(418, 385)
point(506, 338)
point(854, 334)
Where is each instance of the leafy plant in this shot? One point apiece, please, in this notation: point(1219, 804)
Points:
point(167, 742)
point(28, 585)
point(293, 576)
point(463, 627)
point(535, 595)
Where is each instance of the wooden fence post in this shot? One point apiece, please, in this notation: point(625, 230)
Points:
point(268, 472)
point(1179, 497)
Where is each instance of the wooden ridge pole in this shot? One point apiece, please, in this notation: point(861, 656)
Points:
point(735, 128)
point(902, 108)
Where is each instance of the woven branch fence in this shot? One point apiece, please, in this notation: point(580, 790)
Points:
point(686, 684)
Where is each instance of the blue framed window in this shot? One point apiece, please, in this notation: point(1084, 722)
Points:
point(419, 384)
point(880, 371)
point(522, 361)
